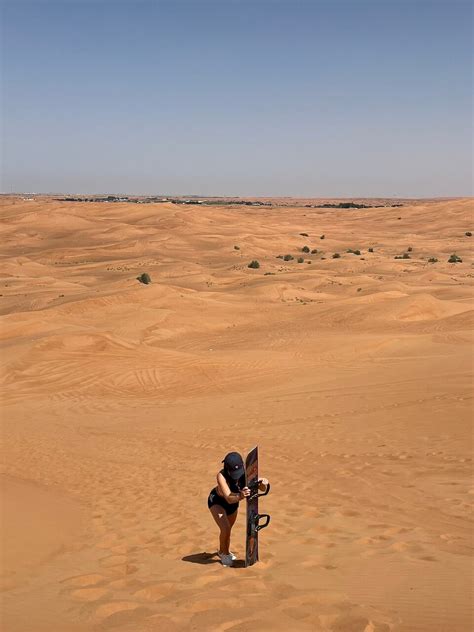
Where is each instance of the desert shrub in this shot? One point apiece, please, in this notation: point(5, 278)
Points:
point(354, 252)
point(305, 249)
point(398, 257)
point(314, 251)
point(300, 260)
point(288, 258)
point(253, 264)
point(236, 247)
point(468, 234)
point(323, 237)
point(269, 273)
point(409, 249)
point(304, 234)
point(432, 260)
point(323, 257)
point(144, 278)
point(279, 256)
point(405, 255)
point(336, 255)
point(371, 250)
point(454, 259)
point(359, 289)
point(309, 262)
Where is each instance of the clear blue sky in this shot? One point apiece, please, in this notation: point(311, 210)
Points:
point(299, 98)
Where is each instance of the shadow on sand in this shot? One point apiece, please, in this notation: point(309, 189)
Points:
point(209, 558)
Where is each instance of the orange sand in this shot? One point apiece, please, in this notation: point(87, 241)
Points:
point(353, 375)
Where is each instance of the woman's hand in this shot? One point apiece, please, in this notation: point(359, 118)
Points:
point(244, 493)
point(262, 484)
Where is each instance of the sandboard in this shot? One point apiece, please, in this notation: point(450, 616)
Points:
point(253, 517)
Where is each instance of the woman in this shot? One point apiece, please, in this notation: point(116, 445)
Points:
point(223, 501)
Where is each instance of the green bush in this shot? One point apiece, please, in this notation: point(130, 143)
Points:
point(405, 255)
point(314, 251)
point(336, 255)
point(144, 278)
point(300, 260)
point(288, 258)
point(354, 252)
point(253, 264)
point(432, 260)
point(371, 250)
point(305, 249)
point(454, 259)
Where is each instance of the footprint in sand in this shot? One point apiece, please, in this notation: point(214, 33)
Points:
point(85, 580)
point(89, 594)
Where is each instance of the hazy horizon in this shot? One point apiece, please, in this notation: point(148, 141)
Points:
point(266, 99)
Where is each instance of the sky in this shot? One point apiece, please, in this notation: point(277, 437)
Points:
point(234, 97)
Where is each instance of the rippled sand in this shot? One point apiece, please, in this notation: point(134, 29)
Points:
point(353, 375)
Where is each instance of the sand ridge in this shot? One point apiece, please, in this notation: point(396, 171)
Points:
point(354, 376)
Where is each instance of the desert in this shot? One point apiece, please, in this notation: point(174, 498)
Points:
point(353, 375)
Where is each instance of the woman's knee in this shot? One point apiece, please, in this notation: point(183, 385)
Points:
point(225, 529)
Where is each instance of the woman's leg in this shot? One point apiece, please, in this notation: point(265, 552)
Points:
point(232, 518)
point(222, 521)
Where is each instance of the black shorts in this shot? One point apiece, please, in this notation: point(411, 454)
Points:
point(215, 499)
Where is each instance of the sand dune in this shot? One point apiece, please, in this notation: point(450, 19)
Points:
point(354, 376)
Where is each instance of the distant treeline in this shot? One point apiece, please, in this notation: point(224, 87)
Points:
point(351, 205)
point(213, 202)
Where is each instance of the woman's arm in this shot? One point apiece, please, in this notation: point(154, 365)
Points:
point(224, 490)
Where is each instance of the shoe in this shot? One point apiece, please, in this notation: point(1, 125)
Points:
point(234, 557)
point(226, 559)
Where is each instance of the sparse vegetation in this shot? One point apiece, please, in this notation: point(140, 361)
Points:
point(269, 273)
point(371, 250)
point(279, 256)
point(323, 237)
point(309, 262)
point(468, 233)
point(300, 260)
point(305, 249)
point(314, 251)
point(236, 247)
point(432, 260)
point(288, 258)
point(454, 259)
point(409, 249)
point(405, 255)
point(253, 264)
point(144, 278)
point(336, 255)
point(354, 252)
point(304, 234)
